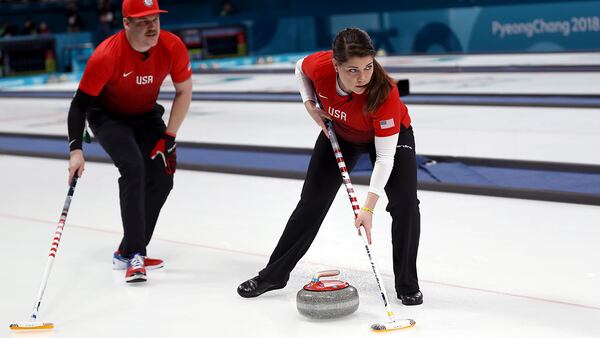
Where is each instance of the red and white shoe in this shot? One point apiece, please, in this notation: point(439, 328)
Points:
point(136, 272)
point(120, 262)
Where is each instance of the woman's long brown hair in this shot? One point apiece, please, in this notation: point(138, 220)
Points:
point(352, 42)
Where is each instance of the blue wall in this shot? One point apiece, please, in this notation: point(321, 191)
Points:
point(404, 27)
point(401, 27)
point(567, 26)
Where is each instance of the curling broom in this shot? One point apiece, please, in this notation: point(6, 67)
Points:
point(33, 323)
point(393, 323)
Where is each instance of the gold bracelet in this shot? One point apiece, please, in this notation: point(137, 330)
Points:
point(367, 209)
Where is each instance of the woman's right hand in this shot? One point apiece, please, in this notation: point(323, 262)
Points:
point(318, 115)
point(76, 164)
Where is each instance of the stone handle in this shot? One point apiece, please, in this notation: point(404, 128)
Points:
point(326, 273)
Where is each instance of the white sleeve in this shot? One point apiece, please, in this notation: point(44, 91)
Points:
point(304, 84)
point(385, 149)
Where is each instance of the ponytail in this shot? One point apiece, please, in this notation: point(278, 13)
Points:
point(378, 88)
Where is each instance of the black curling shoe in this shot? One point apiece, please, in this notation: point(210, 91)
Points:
point(412, 298)
point(256, 286)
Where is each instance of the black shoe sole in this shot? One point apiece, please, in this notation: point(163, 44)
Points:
point(136, 279)
point(412, 303)
point(256, 293)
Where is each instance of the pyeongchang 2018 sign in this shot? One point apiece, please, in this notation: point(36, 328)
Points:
point(552, 26)
point(565, 28)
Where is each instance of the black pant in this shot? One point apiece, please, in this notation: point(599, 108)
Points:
point(322, 182)
point(144, 185)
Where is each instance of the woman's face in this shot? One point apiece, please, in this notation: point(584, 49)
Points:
point(355, 74)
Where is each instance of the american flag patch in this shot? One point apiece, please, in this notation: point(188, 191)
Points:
point(385, 124)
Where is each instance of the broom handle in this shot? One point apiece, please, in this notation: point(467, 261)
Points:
point(355, 207)
point(54, 248)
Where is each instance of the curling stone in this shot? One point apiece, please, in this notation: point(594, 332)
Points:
point(327, 298)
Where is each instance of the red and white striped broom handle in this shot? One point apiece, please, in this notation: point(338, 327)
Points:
point(54, 248)
point(356, 207)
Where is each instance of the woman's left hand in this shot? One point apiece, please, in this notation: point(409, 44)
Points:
point(364, 219)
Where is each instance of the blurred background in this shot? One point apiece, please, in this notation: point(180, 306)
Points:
point(57, 35)
point(468, 58)
point(504, 97)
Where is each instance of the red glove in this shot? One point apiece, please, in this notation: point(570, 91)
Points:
point(166, 148)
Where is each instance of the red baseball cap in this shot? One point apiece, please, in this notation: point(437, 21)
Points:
point(139, 8)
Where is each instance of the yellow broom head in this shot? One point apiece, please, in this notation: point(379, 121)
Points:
point(395, 325)
point(30, 326)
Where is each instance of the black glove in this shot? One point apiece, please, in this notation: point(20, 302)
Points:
point(166, 148)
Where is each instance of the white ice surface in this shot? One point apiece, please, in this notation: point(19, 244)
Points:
point(518, 133)
point(489, 267)
point(572, 83)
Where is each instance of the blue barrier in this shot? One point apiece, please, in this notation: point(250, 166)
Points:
point(530, 180)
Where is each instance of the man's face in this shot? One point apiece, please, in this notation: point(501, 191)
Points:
point(143, 32)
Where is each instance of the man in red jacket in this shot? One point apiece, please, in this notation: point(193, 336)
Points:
point(118, 94)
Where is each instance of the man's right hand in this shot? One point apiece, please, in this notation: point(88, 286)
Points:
point(166, 147)
point(76, 164)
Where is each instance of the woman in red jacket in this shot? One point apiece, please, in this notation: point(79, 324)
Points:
point(368, 116)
